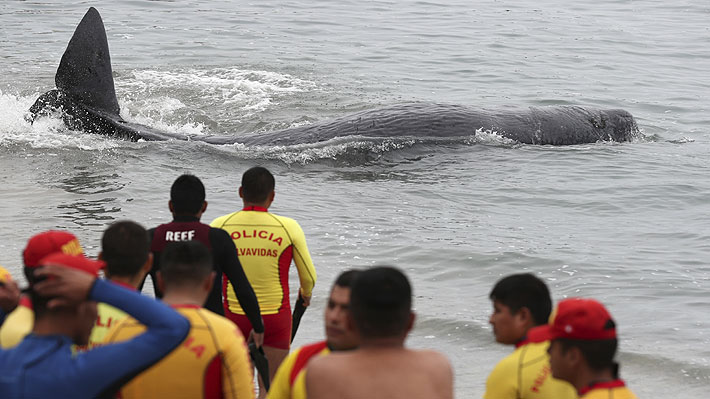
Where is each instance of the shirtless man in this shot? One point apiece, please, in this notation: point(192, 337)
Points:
point(381, 311)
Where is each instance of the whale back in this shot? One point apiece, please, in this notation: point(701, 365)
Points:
point(84, 72)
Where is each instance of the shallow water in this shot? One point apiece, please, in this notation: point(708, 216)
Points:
point(624, 223)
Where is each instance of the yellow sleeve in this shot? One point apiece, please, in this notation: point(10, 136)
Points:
point(301, 256)
point(280, 388)
point(502, 382)
point(17, 325)
point(237, 378)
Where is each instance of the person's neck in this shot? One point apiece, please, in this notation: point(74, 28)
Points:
point(588, 377)
point(125, 280)
point(264, 204)
point(54, 324)
point(186, 217)
point(382, 343)
point(176, 297)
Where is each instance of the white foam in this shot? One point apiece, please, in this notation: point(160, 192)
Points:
point(45, 132)
point(248, 90)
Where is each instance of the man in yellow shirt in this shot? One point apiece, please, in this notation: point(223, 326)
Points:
point(583, 343)
point(289, 381)
point(266, 244)
point(212, 362)
point(9, 294)
point(125, 249)
point(521, 302)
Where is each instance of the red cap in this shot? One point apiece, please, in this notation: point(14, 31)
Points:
point(576, 318)
point(79, 262)
point(49, 242)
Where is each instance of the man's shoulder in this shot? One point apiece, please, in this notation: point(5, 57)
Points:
point(223, 328)
point(219, 221)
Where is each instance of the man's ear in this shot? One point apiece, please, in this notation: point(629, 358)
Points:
point(160, 282)
point(209, 282)
point(170, 206)
point(148, 264)
point(241, 194)
point(410, 323)
point(525, 317)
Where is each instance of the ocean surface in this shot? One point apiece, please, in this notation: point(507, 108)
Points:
point(628, 224)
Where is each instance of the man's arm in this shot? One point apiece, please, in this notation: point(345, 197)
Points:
point(9, 298)
point(237, 377)
point(302, 259)
point(165, 329)
point(225, 255)
point(153, 273)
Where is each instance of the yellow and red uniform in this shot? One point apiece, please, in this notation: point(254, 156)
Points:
point(526, 373)
point(266, 245)
point(290, 379)
point(212, 362)
point(17, 324)
point(607, 390)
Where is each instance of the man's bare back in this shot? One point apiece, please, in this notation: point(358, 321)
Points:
point(380, 372)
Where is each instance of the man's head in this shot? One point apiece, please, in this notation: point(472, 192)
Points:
point(520, 302)
point(125, 247)
point(257, 186)
point(187, 196)
point(186, 269)
point(44, 244)
point(339, 334)
point(77, 319)
point(381, 303)
point(583, 337)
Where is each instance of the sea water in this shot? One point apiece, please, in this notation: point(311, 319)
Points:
point(628, 224)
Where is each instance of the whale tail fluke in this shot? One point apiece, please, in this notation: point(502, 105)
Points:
point(84, 72)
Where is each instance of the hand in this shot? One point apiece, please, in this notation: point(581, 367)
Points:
point(306, 299)
point(257, 338)
point(68, 286)
point(9, 296)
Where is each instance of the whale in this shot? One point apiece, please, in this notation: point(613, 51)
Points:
point(85, 97)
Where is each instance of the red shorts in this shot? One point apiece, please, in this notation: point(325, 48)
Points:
point(277, 327)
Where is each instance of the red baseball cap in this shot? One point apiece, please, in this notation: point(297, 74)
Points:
point(79, 262)
point(49, 242)
point(576, 318)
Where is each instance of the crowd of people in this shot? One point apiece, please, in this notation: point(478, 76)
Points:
point(222, 307)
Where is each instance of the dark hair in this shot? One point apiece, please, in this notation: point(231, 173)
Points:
point(257, 184)
point(125, 246)
point(185, 263)
point(598, 353)
point(345, 279)
point(381, 302)
point(187, 194)
point(524, 290)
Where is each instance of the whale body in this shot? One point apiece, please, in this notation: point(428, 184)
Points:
point(86, 98)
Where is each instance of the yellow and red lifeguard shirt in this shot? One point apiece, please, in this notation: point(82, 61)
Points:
point(266, 244)
point(607, 390)
point(17, 324)
point(526, 373)
point(212, 362)
point(290, 379)
point(106, 316)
